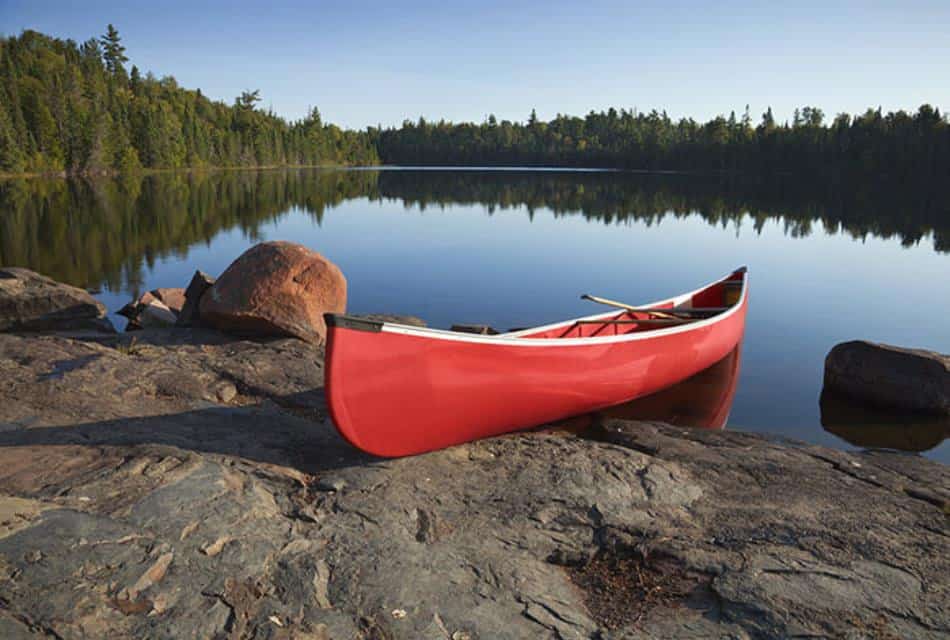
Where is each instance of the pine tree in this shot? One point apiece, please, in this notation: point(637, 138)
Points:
point(112, 51)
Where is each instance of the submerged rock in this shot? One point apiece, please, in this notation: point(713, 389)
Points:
point(890, 377)
point(141, 496)
point(276, 289)
point(32, 302)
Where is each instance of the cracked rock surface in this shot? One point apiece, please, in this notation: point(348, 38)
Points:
point(188, 485)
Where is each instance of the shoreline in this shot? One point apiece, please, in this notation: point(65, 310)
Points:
point(115, 173)
point(118, 174)
point(190, 481)
point(182, 481)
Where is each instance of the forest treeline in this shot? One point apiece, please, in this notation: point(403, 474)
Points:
point(896, 144)
point(77, 108)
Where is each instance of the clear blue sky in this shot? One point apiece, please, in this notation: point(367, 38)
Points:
point(370, 62)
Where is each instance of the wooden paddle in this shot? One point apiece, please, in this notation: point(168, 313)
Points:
point(644, 321)
point(663, 313)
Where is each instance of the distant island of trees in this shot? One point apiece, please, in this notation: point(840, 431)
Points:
point(75, 109)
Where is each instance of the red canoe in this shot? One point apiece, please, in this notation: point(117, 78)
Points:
point(397, 390)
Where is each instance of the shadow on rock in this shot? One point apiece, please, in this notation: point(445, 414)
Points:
point(261, 433)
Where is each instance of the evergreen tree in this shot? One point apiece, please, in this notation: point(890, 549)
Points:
point(113, 53)
point(69, 107)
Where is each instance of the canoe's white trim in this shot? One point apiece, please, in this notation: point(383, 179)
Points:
point(515, 338)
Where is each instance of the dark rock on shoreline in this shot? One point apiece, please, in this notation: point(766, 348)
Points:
point(189, 316)
point(155, 308)
point(188, 484)
point(397, 319)
point(276, 289)
point(480, 329)
point(890, 377)
point(32, 302)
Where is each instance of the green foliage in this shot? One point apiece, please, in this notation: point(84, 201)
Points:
point(113, 53)
point(73, 108)
point(102, 231)
point(895, 144)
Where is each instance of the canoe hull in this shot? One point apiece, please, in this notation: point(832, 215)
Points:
point(395, 393)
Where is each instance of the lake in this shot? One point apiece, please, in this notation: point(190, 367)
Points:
point(513, 248)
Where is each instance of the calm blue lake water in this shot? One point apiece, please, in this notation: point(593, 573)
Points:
point(518, 248)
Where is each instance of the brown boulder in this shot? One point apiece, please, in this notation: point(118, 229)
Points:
point(32, 302)
point(890, 377)
point(276, 289)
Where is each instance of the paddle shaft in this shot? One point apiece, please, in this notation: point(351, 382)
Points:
point(667, 313)
point(644, 321)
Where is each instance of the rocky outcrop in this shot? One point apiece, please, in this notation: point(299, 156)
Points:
point(276, 289)
point(32, 302)
point(187, 484)
point(890, 377)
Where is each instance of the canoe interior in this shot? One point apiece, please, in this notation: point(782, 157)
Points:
point(723, 294)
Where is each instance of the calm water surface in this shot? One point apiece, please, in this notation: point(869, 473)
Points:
point(517, 248)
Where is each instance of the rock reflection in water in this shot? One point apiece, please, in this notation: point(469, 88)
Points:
point(873, 428)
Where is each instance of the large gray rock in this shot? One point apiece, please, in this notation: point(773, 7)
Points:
point(890, 377)
point(188, 485)
point(32, 302)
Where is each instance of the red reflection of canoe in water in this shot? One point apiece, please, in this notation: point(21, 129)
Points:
point(703, 400)
point(399, 390)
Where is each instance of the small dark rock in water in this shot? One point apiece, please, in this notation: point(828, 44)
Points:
point(890, 377)
point(189, 316)
point(32, 302)
point(395, 319)
point(480, 329)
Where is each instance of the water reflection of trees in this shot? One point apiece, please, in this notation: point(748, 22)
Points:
point(909, 212)
point(103, 232)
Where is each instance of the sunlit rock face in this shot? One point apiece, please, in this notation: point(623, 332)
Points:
point(279, 289)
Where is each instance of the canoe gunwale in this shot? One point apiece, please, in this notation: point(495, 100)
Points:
point(516, 338)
